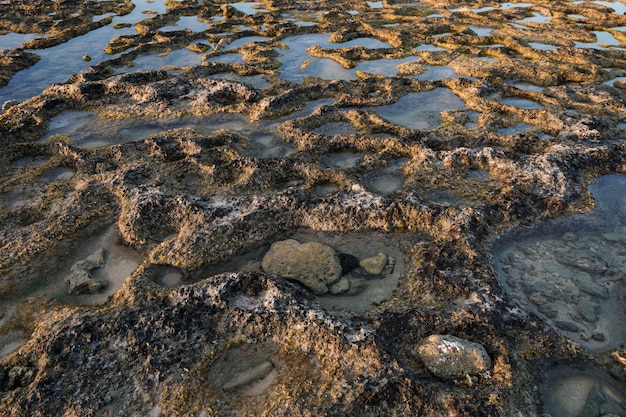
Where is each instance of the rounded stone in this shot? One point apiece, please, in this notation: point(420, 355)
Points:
point(451, 357)
point(340, 286)
point(313, 264)
point(374, 265)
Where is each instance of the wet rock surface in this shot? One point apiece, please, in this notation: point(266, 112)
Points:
point(416, 136)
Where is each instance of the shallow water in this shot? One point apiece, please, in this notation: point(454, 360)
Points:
point(341, 160)
point(298, 64)
point(569, 271)
point(250, 8)
point(60, 62)
point(336, 128)
point(15, 40)
point(481, 31)
point(522, 103)
point(434, 73)
point(542, 46)
point(582, 391)
point(187, 22)
point(420, 110)
point(515, 129)
point(603, 41)
point(385, 181)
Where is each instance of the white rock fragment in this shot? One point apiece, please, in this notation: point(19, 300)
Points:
point(450, 357)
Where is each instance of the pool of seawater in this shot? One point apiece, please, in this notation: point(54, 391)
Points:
point(582, 391)
point(515, 129)
point(60, 62)
point(603, 40)
point(298, 64)
point(249, 8)
point(521, 103)
point(358, 244)
point(569, 271)
point(187, 22)
point(120, 261)
point(420, 110)
point(542, 46)
point(86, 130)
point(15, 40)
point(341, 160)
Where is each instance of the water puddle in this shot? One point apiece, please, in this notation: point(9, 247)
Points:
point(582, 391)
point(165, 275)
point(386, 181)
point(515, 129)
point(153, 61)
point(248, 370)
point(481, 31)
point(250, 8)
point(13, 40)
point(569, 271)
point(256, 81)
point(57, 174)
point(375, 4)
point(385, 67)
point(542, 46)
point(244, 41)
point(421, 110)
point(537, 18)
point(59, 63)
point(434, 73)
point(521, 103)
point(336, 128)
point(341, 160)
point(187, 22)
point(430, 48)
point(528, 87)
point(326, 190)
point(617, 6)
point(298, 64)
point(603, 41)
point(231, 58)
point(31, 161)
point(448, 198)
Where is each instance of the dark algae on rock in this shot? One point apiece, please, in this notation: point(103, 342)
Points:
point(312, 208)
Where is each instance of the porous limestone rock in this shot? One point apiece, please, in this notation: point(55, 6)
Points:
point(374, 265)
point(80, 280)
point(451, 357)
point(313, 264)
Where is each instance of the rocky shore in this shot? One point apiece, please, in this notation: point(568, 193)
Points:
point(342, 208)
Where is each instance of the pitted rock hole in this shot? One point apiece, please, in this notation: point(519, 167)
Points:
point(166, 275)
point(246, 370)
point(570, 271)
point(581, 391)
point(355, 290)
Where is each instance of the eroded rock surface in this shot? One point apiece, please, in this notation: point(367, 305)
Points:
point(205, 132)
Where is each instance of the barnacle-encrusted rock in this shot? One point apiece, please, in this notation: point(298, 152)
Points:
point(452, 357)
